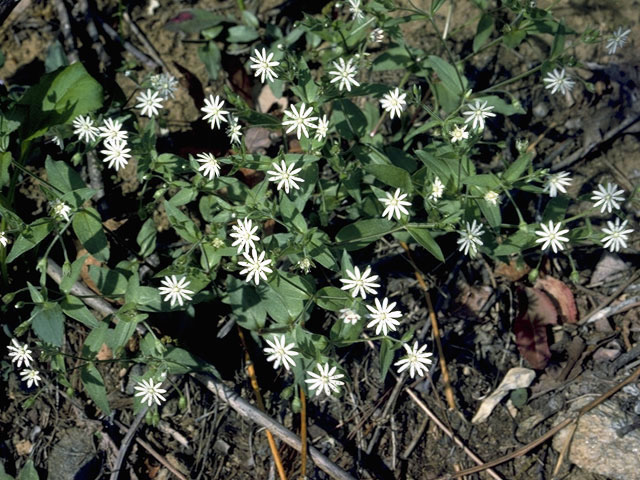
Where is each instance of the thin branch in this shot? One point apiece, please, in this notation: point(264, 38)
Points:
point(126, 442)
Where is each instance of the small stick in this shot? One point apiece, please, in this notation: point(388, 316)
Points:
point(128, 46)
point(126, 441)
point(93, 33)
point(550, 433)
point(303, 434)
point(153, 453)
point(610, 298)
point(449, 433)
point(65, 26)
point(415, 439)
point(153, 53)
point(448, 391)
point(256, 390)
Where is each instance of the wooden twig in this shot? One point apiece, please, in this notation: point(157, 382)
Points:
point(126, 442)
point(303, 435)
point(65, 27)
point(584, 151)
point(128, 46)
point(93, 33)
point(251, 371)
point(448, 390)
point(153, 53)
point(447, 432)
point(591, 316)
point(550, 433)
point(247, 411)
point(154, 454)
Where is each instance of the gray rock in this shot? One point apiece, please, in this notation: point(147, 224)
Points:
point(72, 457)
point(596, 446)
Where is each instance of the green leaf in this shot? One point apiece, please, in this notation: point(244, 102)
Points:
point(555, 209)
point(483, 32)
point(242, 34)
point(447, 74)
point(75, 308)
point(28, 472)
point(3, 474)
point(424, 238)
point(88, 227)
point(391, 175)
point(31, 236)
point(210, 55)
point(94, 386)
point(56, 57)
point(333, 299)
point(94, 341)
point(482, 180)
point(348, 119)
point(48, 323)
point(558, 41)
point(437, 165)
point(182, 224)
point(515, 243)
point(62, 176)
point(57, 99)
point(74, 273)
point(514, 38)
point(394, 58)
point(5, 161)
point(109, 281)
point(491, 212)
point(194, 20)
point(147, 238)
point(181, 361)
point(246, 304)
point(363, 232)
point(517, 168)
point(386, 356)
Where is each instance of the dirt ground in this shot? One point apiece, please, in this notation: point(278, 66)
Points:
point(476, 302)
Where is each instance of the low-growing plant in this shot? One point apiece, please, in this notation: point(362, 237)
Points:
point(276, 237)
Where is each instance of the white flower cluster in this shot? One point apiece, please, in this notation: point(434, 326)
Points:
point(19, 354)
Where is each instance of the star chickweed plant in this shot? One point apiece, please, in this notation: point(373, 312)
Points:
point(345, 147)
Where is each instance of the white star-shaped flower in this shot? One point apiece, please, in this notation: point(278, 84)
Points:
point(617, 40)
point(244, 233)
point(285, 176)
point(349, 316)
point(394, 102)
point(470, 240)
point(327, 380)
point(279, 353)
point(234, 130)
point(416, 360)
point(558, 80)
point(263, 65)
point(376, 35)
point(459, 133)
point(150, 102)
point(20, 353)
point(165, 84)
point(609, 197)
point(556, 182)
point(175, 290)
point(59, 209)
point(116, 153)
point(322, 128)
point(383, 316)
point(356, 10)
point(214, 112)
point(299, 120)
point(477, 113)
point(616, 237)
point(209, 166)
point(437, 189)
point(4, 240)
point(112, 130)
point(395, 204)
point(84, 128)
point(255, 266)
point(150, 392)
point(344, 73)
point(551, 235)
point(30, 376)
point(492, 197)
point(362, 283)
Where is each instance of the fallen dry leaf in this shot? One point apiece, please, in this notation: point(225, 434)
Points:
point(266, 99)
point(530, 327)
point(515, 378)
point(104, 353)
point(512, 271)
point(561, 295)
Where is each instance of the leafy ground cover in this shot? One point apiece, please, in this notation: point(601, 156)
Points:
point(494, 301)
